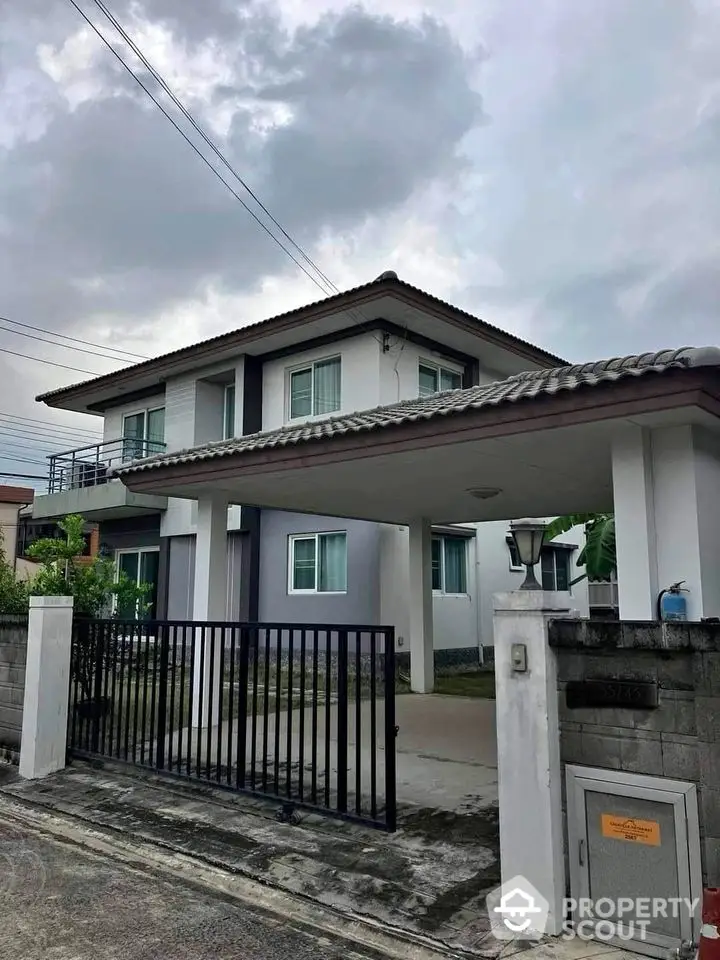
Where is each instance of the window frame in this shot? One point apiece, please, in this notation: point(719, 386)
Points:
point(293, 538)
point(301, 368)
point(439, 367)
point(226, 391)
point(145, 412)
point(443, 592)
point(556, 553)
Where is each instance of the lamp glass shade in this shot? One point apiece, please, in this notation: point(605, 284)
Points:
point(528, 536)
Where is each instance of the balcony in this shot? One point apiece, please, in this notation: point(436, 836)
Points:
point(79, 482)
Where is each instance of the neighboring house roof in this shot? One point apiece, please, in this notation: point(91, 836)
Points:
point(522, 386)
point(387, 283)
point(18, 495)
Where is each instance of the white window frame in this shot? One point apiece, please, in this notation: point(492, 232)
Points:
point(442, 592)
point(298, 368)
point(292, 538)
point(124, 551)
point(145, 411)
point(226, 390)
point(438, 367)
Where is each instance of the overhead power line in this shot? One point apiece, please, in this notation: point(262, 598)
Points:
point(30, 432)
point(24, 476)
point(213, 146)
point(64, 336)
point(51, 363)
point(193, 146)
point(64, 428)
point(64, 346)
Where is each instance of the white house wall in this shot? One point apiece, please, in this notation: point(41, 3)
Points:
point(359, 375)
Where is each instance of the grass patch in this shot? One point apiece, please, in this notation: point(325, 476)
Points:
point(478, 683)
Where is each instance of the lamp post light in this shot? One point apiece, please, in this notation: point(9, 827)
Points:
point(528, 536)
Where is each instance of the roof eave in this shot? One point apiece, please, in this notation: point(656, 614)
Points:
point(208, 349)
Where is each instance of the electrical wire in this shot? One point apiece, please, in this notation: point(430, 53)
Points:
point(22, 431)
point(187, 139)
point(64, 336)
point(50, 429)
point(23, 476)
point(188, 116)
point(64, 346)
point(48, 423)
point(51, 363)
point(326, 281)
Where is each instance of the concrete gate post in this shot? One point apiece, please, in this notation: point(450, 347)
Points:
point(528, 735)
point(47, 685)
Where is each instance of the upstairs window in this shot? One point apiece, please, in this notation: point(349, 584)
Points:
point(229, 412)
point(315, 389)
point(449, 565)
point(143, 433)
point(433, 379)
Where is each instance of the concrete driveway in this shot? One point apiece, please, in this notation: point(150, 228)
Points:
point(446, 752)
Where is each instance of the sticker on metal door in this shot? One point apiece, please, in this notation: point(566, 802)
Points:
point(630, 829)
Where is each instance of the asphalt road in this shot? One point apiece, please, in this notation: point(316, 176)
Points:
point(59, 901)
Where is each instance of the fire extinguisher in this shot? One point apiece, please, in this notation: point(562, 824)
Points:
point(671, 604)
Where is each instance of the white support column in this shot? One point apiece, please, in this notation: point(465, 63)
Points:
point(634, 508)
point(528, 743)
point(422, 665)
point(665, 484)
point(209, 603)
point(47, 682)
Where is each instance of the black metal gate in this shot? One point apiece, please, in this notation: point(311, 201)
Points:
point(300, 713)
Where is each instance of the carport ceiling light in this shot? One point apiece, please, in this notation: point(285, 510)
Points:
point(484, 493)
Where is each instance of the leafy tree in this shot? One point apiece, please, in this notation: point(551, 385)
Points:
point(93, 586)
point(13, 592)
point(598, 556)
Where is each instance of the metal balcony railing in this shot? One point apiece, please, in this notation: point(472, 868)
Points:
point(90, 466)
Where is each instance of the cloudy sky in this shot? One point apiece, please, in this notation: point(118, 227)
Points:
point(551, 166)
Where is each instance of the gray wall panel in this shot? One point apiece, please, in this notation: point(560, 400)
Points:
point(361, 603)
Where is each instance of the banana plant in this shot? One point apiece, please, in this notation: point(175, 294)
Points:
point(598, 556)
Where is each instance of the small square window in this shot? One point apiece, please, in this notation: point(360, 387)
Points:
point(316, 389)
point(318, 563)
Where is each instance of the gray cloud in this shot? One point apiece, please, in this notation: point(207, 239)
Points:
point(110, 201)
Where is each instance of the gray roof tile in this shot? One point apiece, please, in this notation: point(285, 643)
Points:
point(521, 386)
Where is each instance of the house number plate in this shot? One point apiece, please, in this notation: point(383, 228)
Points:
point(611, 693)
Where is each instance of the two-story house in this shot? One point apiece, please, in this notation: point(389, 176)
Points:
point(376, 344)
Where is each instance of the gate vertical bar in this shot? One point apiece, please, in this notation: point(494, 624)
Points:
point(162, 681)
point(243, 672)
point(97, 688)
point(390, 786)
point(342, 721)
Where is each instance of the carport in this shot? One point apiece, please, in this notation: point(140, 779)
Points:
point(638, 435)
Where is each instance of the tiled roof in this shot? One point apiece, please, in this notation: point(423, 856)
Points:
point(521, 386)
point(388, 279)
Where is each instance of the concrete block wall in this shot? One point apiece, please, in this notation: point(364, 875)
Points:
point(13, 653)
point(680, 739)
